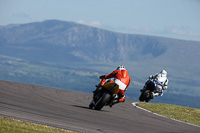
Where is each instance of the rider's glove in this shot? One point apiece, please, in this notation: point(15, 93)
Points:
point(102, 76)
point(99, 85)
point(151, 77)
point(164, 87)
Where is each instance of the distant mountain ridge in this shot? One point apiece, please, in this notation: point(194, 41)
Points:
point(79, 42)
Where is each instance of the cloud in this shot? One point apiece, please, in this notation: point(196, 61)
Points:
point(92, 23)
point(185, 32)
point(174, 32)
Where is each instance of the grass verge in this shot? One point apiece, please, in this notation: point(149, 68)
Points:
point(8, 125)
point(186, 114)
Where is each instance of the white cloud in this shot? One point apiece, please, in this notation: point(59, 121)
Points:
point(92, 23)
point(174, 32)
point(185, 32)
point(95, 23)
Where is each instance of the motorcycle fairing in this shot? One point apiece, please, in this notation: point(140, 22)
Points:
point(112, 86)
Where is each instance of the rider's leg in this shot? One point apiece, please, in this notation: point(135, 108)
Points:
point(120, 98)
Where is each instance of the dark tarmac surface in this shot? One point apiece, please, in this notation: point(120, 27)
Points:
point(69, 110)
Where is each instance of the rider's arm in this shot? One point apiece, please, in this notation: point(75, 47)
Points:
point(103, 76)
point(107, 76)
point(111, 75)
point(153, 76)
point(165, 84)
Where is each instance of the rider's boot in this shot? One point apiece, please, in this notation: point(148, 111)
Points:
point(154, 94)
point(114, 102)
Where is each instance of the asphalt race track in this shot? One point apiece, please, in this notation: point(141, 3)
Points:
point(69, 110)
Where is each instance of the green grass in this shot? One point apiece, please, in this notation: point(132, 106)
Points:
point(8, 125)
point(186, 114)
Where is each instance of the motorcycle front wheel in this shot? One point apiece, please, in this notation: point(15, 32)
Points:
point(142, 96)
point(102, 101)
point(91, 105)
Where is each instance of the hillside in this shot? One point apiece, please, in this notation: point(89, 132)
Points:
point(50, 52)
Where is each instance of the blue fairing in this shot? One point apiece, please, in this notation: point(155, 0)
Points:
point(155, 83)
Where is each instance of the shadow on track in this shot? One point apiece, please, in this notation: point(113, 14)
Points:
point(83, 107)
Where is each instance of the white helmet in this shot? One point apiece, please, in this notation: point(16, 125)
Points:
point(163, 73)
point(121, 67)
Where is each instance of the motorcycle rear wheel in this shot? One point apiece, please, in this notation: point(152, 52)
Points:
point(145, 96)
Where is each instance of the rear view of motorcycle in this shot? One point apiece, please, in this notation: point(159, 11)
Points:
point(104, 96)
point(152, 88)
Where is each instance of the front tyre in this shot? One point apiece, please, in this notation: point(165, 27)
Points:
point(102, 101)
point(91, 105)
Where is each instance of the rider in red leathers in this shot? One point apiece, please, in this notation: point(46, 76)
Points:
point(121, 78)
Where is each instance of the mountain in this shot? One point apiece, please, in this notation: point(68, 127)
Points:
point(92, 51)
point(83, 43)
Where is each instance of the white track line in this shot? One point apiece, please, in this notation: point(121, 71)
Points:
point(135, 105)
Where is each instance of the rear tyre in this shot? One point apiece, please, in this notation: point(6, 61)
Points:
point(147, 100)
point(147, 95)
point(102, 101)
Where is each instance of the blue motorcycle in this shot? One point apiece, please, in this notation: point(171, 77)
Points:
point(152, 87)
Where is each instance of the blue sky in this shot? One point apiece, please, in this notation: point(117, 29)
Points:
point(167, 18)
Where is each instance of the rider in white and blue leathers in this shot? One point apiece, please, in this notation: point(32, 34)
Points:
point(162, 82)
